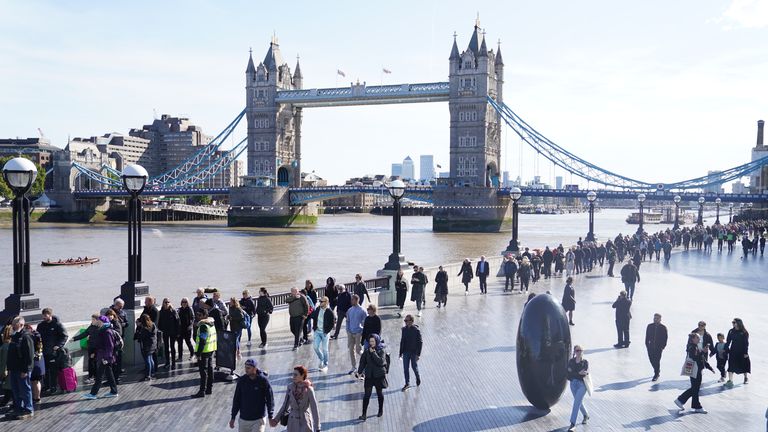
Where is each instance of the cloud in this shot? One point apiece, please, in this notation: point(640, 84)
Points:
point(745, 14)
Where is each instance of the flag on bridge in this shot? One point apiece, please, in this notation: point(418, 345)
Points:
point(438, 166)
point(386, 71)
point(340, 72)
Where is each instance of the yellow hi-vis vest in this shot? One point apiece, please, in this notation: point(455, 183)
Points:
point(210, 340)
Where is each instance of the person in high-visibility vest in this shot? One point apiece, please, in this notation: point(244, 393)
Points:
point(206, 347)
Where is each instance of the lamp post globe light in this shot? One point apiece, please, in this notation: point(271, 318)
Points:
point(717, 205)
point(20, 174)
point(591, 197)
point(701, 211)
point(677, 200)
point(396, 190)
point(640, 201)
point(515, 193)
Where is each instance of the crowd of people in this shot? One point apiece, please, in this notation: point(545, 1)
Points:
point(35, 362)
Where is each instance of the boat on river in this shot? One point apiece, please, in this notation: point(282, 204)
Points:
point(69, 262)
point(648, 218)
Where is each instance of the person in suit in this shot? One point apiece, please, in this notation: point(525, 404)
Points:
point(482, 271)
point(655, 342)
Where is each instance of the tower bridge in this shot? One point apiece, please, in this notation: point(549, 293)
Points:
point(470, 200)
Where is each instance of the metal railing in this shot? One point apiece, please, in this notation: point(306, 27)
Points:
point(372, 285)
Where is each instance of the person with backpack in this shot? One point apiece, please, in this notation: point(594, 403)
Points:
point(374, 366)
point(249, 307)
point(410, 350)
point(106, 341)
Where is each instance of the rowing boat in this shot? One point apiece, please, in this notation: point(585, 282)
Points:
point(50, 263)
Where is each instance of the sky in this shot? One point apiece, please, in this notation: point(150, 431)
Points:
point(659, 91)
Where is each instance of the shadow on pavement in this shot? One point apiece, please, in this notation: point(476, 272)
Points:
point(481, 420)
point(495, 349)
point(623, 385)
point(647, 424)
point(125, 406)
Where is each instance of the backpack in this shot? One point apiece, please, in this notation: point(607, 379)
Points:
point(246, 319)
point(310, 305)
point(117, 340)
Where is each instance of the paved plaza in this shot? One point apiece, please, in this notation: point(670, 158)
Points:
point(468, 365)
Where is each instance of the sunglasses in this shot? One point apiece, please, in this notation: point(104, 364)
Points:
point(407, 320)
point(578, 350)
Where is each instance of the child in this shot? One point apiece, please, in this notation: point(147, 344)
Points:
point(722, 355)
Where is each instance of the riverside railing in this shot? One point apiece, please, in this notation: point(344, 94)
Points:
point(372, 285)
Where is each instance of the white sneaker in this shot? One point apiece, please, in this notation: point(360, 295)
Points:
point(418, 314)
point(700, 410)
point(679, 404)
point(466, 293)
point(324, 369)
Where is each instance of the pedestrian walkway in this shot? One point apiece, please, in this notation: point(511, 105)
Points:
point(468, 365)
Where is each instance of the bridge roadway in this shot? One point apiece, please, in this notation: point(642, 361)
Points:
point(304, 195)
point(468, 365)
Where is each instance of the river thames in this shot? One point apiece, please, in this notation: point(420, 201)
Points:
point(179, 257)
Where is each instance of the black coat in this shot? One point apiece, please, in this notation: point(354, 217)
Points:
point(510, 268)
point(147, 339)
point(329, 319)
point(53, 334)
point(410, 340)
point(629, 273)
point(441, 282)
point(466, 273)
point(569, 298)
point(264, 305)
point(168, 322)
point(371, 325)
point(485, 271)
point(707, 341)
point(372, 363)
point(655, 337)
point(186, 319)
point(248, 305)
point(343, 302)
point(622, 306)
point(21, 353)
point(418, 281)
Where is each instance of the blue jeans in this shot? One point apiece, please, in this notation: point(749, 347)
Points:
point(579, 389)
point(409, 359)
point(320, 344)
point(22, 392)
point(250, 323)
point(149, 364)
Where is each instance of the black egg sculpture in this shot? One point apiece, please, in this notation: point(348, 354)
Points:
point(543, 349)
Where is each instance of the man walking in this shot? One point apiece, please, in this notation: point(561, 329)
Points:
point(206, 347)
point(355, 318)
point(655, 341)
point(360, 289)
point(21, 355)
point(54, 337)
point(343, 303)
point(510, 268)
point(623, 315)
point(298, 309)
point(482, 271)
point(253, 400)
point(410, 350)
point(324, 320)
point(630, 276)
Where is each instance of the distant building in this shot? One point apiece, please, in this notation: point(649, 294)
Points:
point(408, 169)
point(445, 174)
point(122, 150)
point(38, 150)
point(397, 170)
point(738, 187)
point(558, 182)
point(312, 180)
point(758, 180)
point(505, 179)
point(716, 187)
point(426, 167)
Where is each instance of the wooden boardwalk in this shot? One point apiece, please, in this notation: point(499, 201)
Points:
point(468, 367)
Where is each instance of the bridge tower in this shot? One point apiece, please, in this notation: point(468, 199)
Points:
point(475, 141)
point(274, 147)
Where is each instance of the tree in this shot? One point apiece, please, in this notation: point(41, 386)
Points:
point(37, 187)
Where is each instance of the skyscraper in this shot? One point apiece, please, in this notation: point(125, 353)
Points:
point(559, 182)
point(408, 171)
point(397, 170)
point(426, 167)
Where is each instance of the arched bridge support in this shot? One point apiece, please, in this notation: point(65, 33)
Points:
point(267, 207)
point(470, 209)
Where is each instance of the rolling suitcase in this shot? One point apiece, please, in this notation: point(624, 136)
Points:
point(68, 379)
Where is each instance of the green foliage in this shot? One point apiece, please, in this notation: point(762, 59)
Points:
point(200, 200)
point(37, 187)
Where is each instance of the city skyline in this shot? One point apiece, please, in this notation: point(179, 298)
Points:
point(690, 88)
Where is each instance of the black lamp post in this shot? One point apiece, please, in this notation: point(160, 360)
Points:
point(640, 200)
point(717, 205)
point(730, 212)
point(591, 197)
point(677, 200)
point(396, 191)
point(515, 193)
point(134, 180)
point(751, 216)
point(20, 174)
point(701, 211)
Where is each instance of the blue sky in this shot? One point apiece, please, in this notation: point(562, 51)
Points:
point(655, 90)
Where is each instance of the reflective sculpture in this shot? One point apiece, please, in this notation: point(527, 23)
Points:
point(543, 347)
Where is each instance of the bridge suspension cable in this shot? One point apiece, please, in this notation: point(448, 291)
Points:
point(590, 172)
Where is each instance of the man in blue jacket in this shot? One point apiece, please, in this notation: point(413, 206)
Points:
point(20, 362)
point(253, 399)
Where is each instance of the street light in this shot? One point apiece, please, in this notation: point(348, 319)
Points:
point(750, 210)
point(591, 197)
point(20, 174)
point(134, 180)
point(640, 200)
point(396, 190)
point(677, 200)
point(515, 193)
point(717, 205)
point(701, 211)
point(730, 212)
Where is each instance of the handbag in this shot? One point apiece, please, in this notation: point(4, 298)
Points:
point(588, 383)
point(384, 382)
point(690, 368)
point(284, 418)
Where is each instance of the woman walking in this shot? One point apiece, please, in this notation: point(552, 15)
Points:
point(236, 322)
point(524, 272)
point(401, 288)
point(441, 287)
point(169, 324)
point(330, 292)
point(372, 365)
point(578, 369)
point(146, 334)
point(186, 324)
point(570, 262)
point(569, 299)
point(249, 307)
point(699, 357)
point(371, 325)
point(264, 309)
point(466, 275)
point(299, 405)
point(737, 346)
